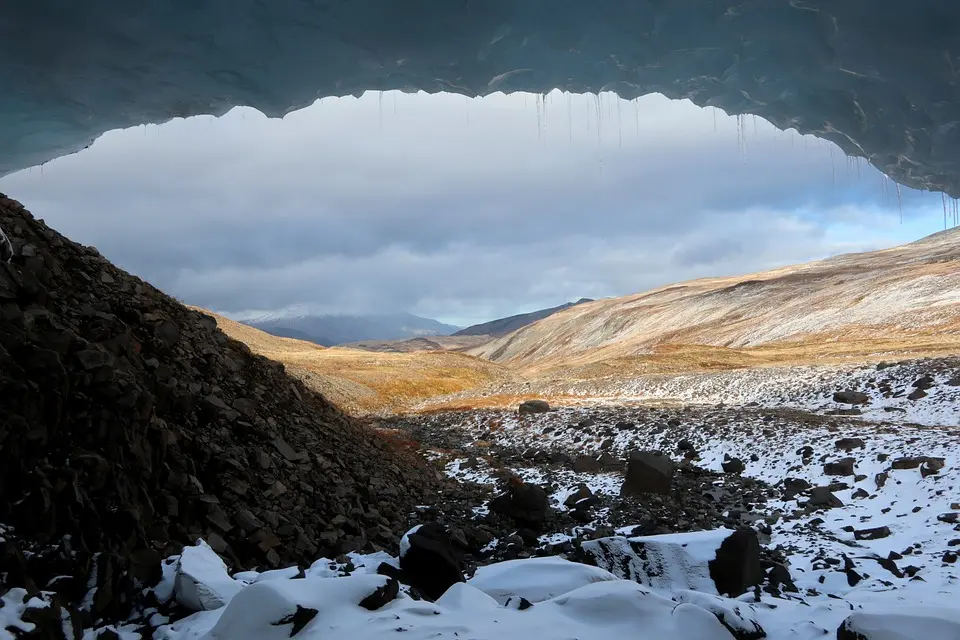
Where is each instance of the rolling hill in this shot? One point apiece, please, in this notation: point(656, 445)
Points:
point(369, 383)
point(904, 300)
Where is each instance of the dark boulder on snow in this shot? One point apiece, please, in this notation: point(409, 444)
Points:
point(533, 406)
point(610, 462)
point(728, 562)
point(382, 596)
point(842, 467)
point(586, 464)
point(581, 499)
point(913, 462)
point(793, 487)
point(429, 561)
point(875, 533)
point(736, 567)
point(849, 444)
point(823, 497)
point(647, 472)
point(525, 504)
point(917, 394)
point(851, 397)
point(733, 465)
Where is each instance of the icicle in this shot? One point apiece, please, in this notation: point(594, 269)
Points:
point(636, 115)
point(543, 107)
point(539, 123)
point(900, 202)
point(394, 102)
point(754, 124)
point(380, 108)
point(598, 104)
point(587, 109)
point(570, 115)
point(714, 119)
point(742, 126)
point(943, 201)
point(466, 106)
point(619, 125)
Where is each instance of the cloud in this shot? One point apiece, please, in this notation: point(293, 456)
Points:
point(459, 209)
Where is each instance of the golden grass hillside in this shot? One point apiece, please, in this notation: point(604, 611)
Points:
point(370, 383)
point(899, 302)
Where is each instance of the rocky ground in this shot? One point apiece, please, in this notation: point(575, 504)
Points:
point(843, 502)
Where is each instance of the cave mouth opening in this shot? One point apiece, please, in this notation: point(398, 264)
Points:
point(557, 196)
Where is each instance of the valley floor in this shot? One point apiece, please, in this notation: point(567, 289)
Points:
point(862, 510)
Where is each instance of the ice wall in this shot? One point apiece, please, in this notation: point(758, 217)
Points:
point(878, 77)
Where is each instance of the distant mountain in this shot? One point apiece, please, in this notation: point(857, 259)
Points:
point(503, 326)
point(286, 332)
point(329, 330)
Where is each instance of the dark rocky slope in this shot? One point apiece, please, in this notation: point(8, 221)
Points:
point(130, 425)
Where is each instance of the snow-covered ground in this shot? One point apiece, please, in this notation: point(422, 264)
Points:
point(881, 559)
point(905, 478)
point(809, 388)
point(569, 600)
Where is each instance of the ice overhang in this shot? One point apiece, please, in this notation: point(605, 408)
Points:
point(877, 77)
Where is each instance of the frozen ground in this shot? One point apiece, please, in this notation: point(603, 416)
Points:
point(882, 559)
point(904, 481)
point(569, 600)
point(903, 585)
point(812, 388)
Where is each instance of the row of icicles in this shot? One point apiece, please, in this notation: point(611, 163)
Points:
point(951, 206)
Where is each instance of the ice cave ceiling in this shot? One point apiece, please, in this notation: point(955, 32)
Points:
point(877, 77)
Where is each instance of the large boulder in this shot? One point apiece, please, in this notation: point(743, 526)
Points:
point(586, 464)
point(719, 561)
point(851, 397)
point(793, 487)
point(525, 504)
point(733, 465)
point(823, 497)
point(647, 472)
point(736, 566)
point(536, 579)
point(428, 560)
point(533, 406)
point(842, 467)
point(201, 582)
point(582, 498)
point(849, 444)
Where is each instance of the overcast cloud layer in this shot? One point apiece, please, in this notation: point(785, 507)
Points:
point(462, 210)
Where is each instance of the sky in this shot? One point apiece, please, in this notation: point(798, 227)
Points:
point(459, 209)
